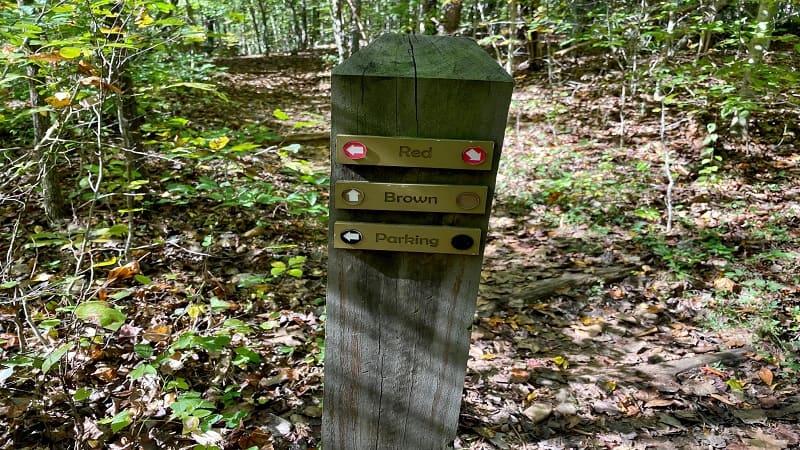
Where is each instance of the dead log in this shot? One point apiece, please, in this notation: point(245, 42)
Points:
point(569, 280)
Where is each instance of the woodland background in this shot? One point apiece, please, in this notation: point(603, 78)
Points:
point(163, 219)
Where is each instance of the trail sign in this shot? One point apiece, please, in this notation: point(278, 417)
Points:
point(413, 166)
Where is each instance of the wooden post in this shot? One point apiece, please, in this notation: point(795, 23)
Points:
point(416, 120)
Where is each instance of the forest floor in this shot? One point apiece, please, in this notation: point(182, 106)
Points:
point(596, 327)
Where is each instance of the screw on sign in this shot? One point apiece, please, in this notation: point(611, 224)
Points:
point(474, 155)
point(355, 150)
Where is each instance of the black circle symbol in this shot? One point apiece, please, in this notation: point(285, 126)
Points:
point(351, 236)
point(462, 242)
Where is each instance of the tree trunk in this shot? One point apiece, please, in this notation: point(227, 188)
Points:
point(338, 29)
point(264, 20)
point(709, 16)
point(116, 68)
point(47, 155)
point(355, 25)
point(428, 25)
point(451, 14)
point(256, 29)
point(762, 35)
point(512, 34)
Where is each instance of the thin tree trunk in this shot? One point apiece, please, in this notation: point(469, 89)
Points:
point(709, 16)
point(428, 25)
point(512, 34)
point(356, 27)
point(116, 67)
point(762, 35)
point(451, 16)
point(264, 21)
point(50, 182)
point(304, 25)
point(259, 39)
point(338, 29)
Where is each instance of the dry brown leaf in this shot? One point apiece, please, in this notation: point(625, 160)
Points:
point(519, 375)
point(765, 441)
point(124, 272)
point(616, 293)
point(659, 403)
point(724, 284)
point(723, 399)
point(106, 374)
point(52, 57)
point(157, 333)
point(256, 438)
point(766, 375)
point(712, 371)
point(8, 340)
point(100, 84)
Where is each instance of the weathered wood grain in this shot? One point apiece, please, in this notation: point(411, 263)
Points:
point(398, 323)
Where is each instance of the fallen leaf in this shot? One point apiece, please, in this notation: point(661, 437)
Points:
point(106, 374)
point(724, 284)
point(59, 100)
point(766, 376)
point(561, 362)
point(100, 84)
point(124, 272)
point(712, 371)
point(616, 293)
point(659, 403)
point(157, 333)
point(537, 412)
point(519, 375)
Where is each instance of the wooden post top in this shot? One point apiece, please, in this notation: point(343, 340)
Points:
point(422, 56)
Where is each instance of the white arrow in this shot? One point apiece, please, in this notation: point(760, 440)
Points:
point(353, 196)
point(474, 155)
point(356, 150)
point(351, 237)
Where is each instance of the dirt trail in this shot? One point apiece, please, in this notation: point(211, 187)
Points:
point(574, 344)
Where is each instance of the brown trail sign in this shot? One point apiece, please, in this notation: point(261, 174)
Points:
point(417, 131)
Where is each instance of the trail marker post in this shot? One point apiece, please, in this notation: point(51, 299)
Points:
point(417, 130)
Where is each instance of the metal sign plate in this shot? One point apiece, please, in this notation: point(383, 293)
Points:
point(444, 198)
point(414, 152)
point(406, 238)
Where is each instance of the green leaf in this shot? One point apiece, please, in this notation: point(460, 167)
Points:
point(143, 279)
point(250, 355)
point(280, 115)
point(297, 273)
point(70, 52)
point(144, 351)
point(82, 394)
point(55, 356)
point(178, 383)
point(297, 261)
point(142, 370)
point(121, 420)
point(101, 313)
